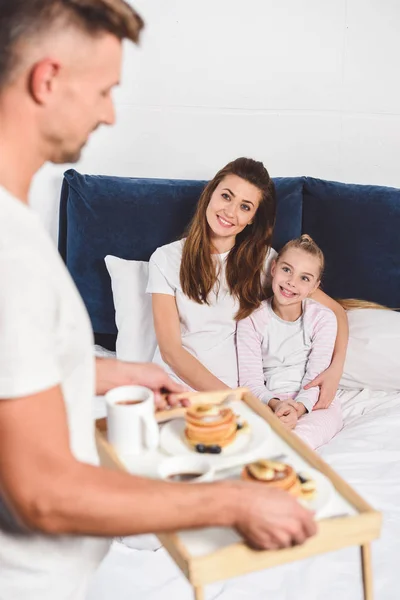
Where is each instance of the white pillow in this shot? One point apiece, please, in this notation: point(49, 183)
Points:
point(373, 353)
point(136, 339)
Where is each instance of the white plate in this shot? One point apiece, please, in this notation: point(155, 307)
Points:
point(172, 437)
point(323, 496)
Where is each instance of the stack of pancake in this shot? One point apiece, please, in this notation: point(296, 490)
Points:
point(275, 474)
point(282, 476)
point(210, 425)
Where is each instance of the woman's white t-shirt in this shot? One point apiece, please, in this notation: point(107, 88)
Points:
point(207, 330)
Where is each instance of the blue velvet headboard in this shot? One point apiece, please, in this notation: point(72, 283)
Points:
point(356, 226)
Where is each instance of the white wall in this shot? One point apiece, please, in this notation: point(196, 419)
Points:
point(310, 87)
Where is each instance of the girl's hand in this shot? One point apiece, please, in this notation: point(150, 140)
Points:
point(286, 411)
point(328, 382)
point(301, 409)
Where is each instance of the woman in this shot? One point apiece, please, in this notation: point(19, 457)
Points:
point(201, 285)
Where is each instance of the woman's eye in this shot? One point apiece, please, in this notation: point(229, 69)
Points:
point(245, 207)
point(286, 269)
point(226, 196)
point(305, 278)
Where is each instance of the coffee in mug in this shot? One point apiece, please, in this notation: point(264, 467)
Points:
point(131, 424)
point(128, 402)
point(183, 476)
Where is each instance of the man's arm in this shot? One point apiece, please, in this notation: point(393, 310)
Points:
point(111, 373)
point(50, 491)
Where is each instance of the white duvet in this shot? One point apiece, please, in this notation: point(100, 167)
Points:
point(367, 454)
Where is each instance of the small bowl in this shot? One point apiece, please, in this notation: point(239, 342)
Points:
point(188, 469)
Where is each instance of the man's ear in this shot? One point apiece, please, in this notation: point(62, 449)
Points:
point(43, 79)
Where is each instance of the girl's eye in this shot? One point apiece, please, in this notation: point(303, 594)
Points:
point(305, 278)
point(286, 269)
point(225, 196)
point(245, 207)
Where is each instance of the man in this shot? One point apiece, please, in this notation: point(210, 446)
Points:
point(59, 61)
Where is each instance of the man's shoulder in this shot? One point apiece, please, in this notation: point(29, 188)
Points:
point(19, 224)
point(26, 249)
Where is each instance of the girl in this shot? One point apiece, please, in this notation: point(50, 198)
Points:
point(202, 284)
point(289, 341)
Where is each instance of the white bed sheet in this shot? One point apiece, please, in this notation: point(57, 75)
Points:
point(367, 454)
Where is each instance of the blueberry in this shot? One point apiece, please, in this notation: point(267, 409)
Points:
point(214, 449)
point(201, 448)
point(239, 426)
point(301, 478)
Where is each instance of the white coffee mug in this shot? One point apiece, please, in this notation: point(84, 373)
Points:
point(131, 424)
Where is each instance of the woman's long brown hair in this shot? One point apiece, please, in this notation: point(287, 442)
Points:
point(245, 263)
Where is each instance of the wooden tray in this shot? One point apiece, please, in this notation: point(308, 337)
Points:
point(238, 559)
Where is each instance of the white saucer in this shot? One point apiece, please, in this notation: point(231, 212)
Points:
point(323, 496)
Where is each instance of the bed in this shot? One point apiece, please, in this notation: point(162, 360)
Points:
point(357, 227)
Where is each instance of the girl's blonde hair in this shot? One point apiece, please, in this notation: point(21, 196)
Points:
point(354, 304)
point(307, 244)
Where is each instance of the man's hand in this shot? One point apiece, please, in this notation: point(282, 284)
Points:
point(328, 382)
point(286, 411)
point(270, 518)
point(111, 373)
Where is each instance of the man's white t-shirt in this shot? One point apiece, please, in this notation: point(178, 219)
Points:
point(207, 330)
point(45, 340)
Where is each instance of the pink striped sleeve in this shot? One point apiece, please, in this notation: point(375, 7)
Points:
point(249, 339)
point(323, 324)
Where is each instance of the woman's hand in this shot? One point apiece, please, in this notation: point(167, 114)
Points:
point(111, 373)
point(286, 411)
point(328, 382)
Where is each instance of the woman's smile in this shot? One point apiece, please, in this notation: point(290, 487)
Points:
point(224, 222)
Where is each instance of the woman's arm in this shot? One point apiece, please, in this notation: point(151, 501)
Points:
point(328, 381)
point(168, 332)
point(342, 337)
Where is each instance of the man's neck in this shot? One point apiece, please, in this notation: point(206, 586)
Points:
point(15, 177)
point(20, 156)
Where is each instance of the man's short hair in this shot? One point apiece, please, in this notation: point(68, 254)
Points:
point(24, 19)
